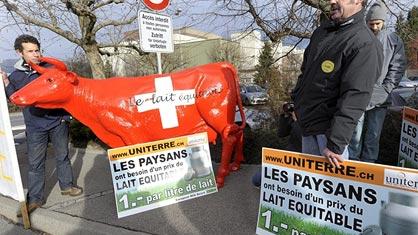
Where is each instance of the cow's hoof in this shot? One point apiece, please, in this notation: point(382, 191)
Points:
point(220, 182)
point(222, 172)
point(234, 166)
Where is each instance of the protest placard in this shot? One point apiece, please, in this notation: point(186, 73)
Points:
point(10, 179)
point(155, 174)
point(303, 194)
point(408, 145)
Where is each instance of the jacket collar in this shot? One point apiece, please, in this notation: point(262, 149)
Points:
point(354, 19)
point(21, 65)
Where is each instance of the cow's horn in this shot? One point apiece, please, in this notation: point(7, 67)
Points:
point(57, 63)
point(38, 68)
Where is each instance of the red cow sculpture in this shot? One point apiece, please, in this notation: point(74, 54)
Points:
point(127, 111)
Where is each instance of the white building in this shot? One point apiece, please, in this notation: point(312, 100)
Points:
point(195, 44)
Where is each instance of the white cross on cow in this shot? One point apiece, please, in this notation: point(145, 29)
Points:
point(165, 99)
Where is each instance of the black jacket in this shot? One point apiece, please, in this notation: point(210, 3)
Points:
point(339, 69)
point(36, 119)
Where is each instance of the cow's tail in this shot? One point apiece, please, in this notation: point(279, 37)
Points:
point(237, 89)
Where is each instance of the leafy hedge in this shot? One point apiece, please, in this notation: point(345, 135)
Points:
point(80, 135)
point(254, 141)
point(389, 139)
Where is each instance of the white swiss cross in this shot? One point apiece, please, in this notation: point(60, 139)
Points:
point(165, 99)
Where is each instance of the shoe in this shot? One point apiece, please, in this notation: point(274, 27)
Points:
point(73, 191)
point(31, 207)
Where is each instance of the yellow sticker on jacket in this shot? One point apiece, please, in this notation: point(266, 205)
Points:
point(327, 66)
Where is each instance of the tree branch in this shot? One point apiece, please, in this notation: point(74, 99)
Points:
point(12, 8)
point(78, 9)
point(113, 23)
point(274, 36)
point(54, 20)
point(116, 46)
point(289, 52)
point(104, 3)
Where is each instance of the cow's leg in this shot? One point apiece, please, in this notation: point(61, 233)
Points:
point(229, 139)
point(238, 150)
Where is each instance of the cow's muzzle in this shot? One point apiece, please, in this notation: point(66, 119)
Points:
point(18, 100)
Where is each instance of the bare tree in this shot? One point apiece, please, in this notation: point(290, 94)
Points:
point(92, 25)
point(281, 18)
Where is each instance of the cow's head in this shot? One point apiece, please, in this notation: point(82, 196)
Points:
point(51, 89)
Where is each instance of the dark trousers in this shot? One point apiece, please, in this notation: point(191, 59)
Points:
point(37, 142)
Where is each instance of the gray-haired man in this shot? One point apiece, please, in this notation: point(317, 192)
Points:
point(367, 148)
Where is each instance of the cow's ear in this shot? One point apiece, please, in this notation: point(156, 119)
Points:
point(71, 77)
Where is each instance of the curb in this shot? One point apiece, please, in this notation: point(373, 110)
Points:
point(58, 223)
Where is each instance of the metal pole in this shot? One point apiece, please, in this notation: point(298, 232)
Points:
point(159, 63)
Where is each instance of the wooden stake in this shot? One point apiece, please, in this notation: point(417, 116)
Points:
point(25, 215)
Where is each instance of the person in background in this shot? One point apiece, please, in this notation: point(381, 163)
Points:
point(42, 126)
point(364, 145)
point(288, 126)
point(340, 67)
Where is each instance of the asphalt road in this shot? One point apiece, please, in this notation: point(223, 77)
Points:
point(16, 120)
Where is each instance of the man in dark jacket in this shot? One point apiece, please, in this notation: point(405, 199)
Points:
point(42, 125)
point(394, 65)
point(341, 64)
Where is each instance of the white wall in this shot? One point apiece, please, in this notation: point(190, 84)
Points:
point(251, 46)
point(179, 39)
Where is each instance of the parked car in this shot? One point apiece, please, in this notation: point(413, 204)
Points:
point(400, 95)
point(255, 118)
point(411, 81)
point(253, 94)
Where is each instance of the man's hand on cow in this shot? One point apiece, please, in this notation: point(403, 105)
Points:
point(4, 77)
point(333, 158)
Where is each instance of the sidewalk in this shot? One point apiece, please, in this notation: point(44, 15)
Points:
point(232, 210)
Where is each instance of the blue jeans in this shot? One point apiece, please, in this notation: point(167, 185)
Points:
point(315, 144)
point(37, 142)
point(364, 145)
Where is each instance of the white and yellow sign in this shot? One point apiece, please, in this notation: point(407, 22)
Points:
point(303, 194)
point(408, 145)
point(10, 179)
point(155, 174)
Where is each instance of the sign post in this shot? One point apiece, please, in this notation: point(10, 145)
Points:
point(155, 30)
point(10, 179)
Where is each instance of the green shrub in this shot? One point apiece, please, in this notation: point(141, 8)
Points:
point(13, 108)
point(389, 139)
point(80, 135)
point(254, 141)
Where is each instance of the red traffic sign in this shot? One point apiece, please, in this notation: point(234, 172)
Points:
point(157, 5)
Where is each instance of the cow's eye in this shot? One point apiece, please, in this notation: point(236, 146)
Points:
point(49, 80)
